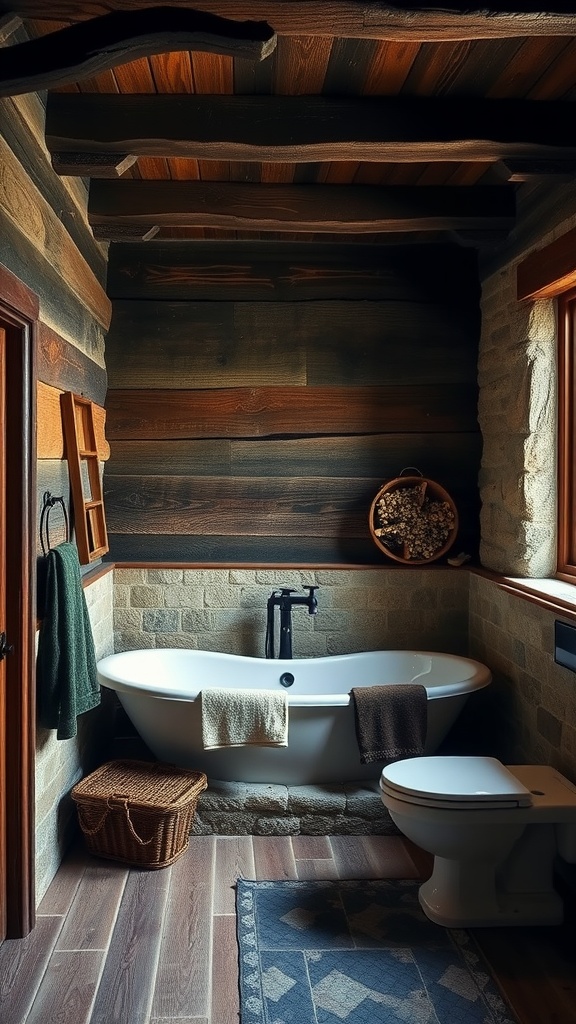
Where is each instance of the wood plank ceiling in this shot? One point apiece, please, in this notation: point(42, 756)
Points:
point(380, 102)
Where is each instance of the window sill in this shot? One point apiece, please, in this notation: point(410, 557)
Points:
point(555, 595)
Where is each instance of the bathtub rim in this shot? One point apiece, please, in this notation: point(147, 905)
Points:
point(477, 680)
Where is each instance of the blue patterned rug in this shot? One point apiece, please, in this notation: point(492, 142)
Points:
point(362, 952)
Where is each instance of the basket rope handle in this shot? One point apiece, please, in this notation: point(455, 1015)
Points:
point(124, 804)
point(90, 831)
point(415, 468)
point(109, 806)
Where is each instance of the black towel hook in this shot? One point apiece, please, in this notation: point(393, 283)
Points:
point(48, 502)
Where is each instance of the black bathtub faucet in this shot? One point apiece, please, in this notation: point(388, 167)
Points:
point(285, 598)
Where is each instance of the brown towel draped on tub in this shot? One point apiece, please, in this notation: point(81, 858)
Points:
point(390, 721)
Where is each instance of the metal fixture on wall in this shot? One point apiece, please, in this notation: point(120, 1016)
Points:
point(285, 598)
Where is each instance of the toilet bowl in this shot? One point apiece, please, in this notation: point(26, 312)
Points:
point(494, 830)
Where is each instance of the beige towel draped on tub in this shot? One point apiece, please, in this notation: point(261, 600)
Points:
point(239, 718)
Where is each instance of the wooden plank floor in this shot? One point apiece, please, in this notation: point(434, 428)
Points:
point(120, 946)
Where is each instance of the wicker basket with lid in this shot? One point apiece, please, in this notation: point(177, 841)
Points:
point(418, 525)
point(138, 812)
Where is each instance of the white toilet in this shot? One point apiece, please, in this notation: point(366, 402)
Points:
point(494, 832)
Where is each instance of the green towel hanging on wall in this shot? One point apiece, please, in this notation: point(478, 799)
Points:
point(67, 683)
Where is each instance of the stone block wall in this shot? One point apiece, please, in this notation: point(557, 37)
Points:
point(61, 763)
point(528, 714)
point(517, 416)
point(358, 609)
point(517, 404)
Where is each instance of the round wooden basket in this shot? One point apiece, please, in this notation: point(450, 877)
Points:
point(428, 489)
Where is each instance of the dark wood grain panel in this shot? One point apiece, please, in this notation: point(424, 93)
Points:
point(34, 160)
point(301, 64)
point(182, 986)
point(372, 857)
point(443, 457)
point(362, 343)
point(22, 967)
point(127, 981)
point(535, 971)
point(58, 306)
point(261, 412)
point(273, 859)
point(234, 859)
point(115, 207)
point(548, 271)
point(315, 869)
point(336, 127)
point(23, 204)
point(183, 458)
point(68, 987)
point(343, 17)
point(274, 551)
point(66, 367)
point(225, 996)
point(258, 272)
point(320, 507)
point(246, 506)
point(184, 345)
point(92, 916)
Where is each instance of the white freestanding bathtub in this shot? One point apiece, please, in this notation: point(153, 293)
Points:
point(159, 690)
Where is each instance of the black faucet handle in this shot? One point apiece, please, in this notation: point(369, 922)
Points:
point(311, 589)
point(286, 591)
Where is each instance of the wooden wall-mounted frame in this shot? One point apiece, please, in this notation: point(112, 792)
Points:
point(85, 482)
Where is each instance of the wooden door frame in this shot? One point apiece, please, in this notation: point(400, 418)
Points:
point(19, 308)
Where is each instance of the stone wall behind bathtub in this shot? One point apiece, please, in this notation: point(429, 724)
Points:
point(358, 609)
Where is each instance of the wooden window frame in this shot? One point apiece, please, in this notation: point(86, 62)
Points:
point(566, 566)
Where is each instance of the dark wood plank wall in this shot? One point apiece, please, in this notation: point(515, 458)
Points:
point(28, 247)
point(259, 396)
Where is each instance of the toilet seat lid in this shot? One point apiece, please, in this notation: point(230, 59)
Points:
point(475, 781)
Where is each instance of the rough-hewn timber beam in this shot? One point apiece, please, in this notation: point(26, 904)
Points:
point(306, 128)
point(115, 206)
point(371, 19)
point(88, 48)
point(92, 165)
point(518, 170)
point(9, 23)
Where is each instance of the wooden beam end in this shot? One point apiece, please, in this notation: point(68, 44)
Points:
point(520, 170)
point(115, 232)
point(92, 165)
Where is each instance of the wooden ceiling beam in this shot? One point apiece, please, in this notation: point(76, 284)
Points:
point(305, 128)
point(88, 48)
point(92, 165)
point(9, 23)
point(372, 19)
point(118, 208)
point(520, 170)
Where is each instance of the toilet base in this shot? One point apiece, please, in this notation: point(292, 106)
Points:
point(451, 899)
